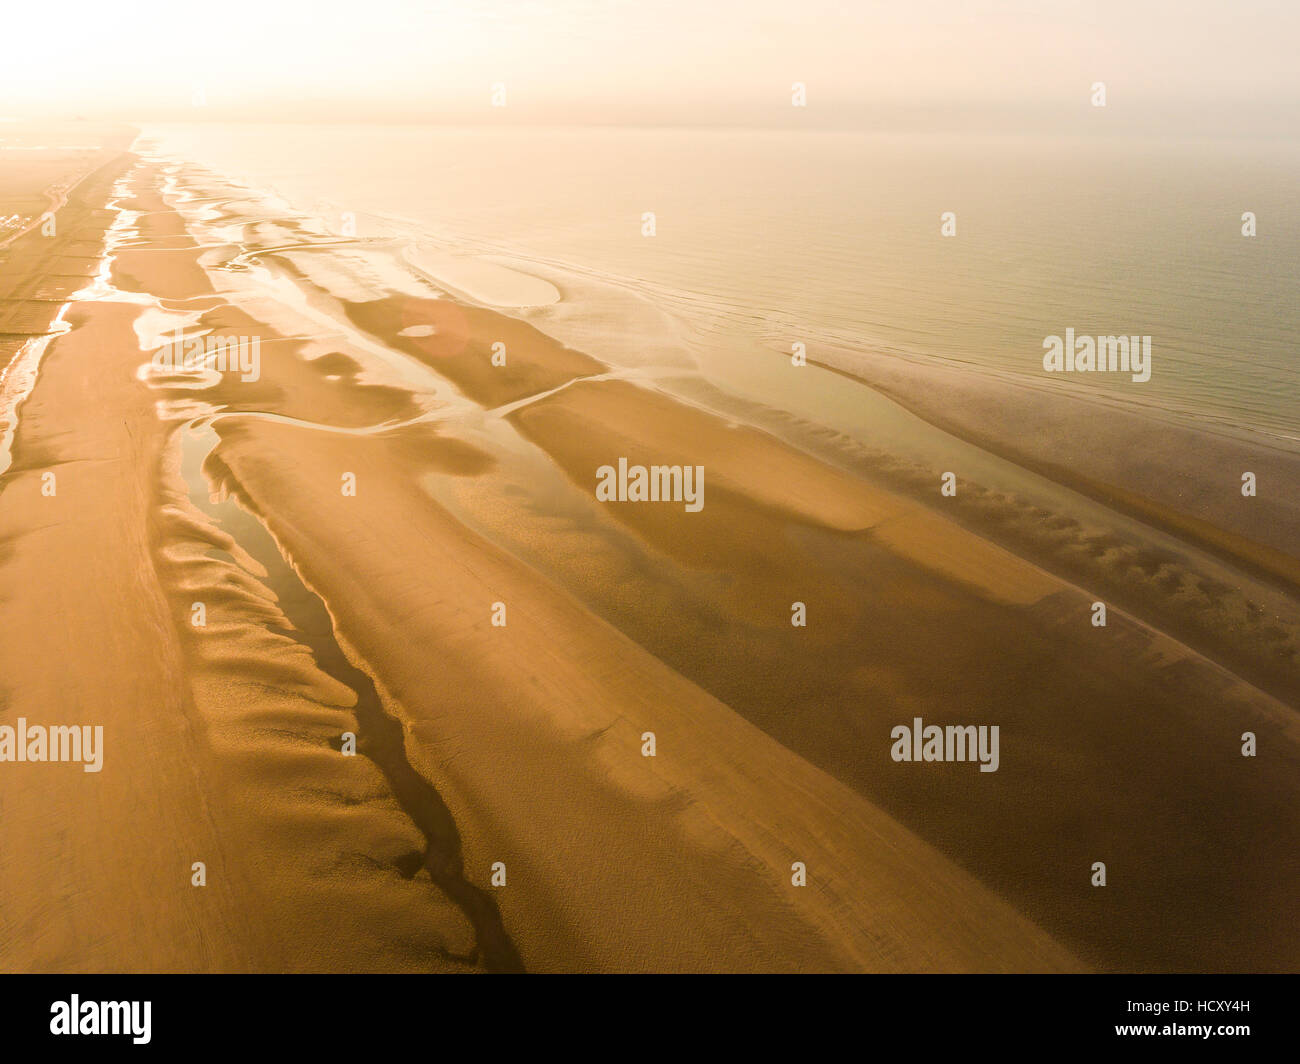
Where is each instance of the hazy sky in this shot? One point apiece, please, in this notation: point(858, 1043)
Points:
point(647, 60)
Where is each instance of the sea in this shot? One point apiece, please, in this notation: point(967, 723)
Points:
point(726, 249)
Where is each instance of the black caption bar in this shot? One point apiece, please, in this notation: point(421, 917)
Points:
point(152, 1013)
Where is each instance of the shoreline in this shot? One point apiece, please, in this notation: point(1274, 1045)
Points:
point(472, 489)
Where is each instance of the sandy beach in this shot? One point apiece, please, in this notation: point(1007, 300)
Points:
point(376, 664)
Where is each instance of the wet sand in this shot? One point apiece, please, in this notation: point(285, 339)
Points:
point(353, 522)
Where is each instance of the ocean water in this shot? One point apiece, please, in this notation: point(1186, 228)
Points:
point(764, 239)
